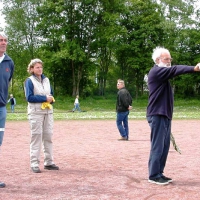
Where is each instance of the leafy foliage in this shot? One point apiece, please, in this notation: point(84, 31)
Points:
point(87, 45)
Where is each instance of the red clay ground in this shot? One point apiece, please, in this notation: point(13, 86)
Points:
point(94, 165)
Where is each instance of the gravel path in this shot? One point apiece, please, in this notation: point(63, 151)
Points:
point(94, 165)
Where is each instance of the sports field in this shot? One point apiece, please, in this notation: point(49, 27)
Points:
point(94, 165)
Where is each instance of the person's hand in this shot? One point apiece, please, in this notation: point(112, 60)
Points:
point(197, 67)
point(130, 107)
point(49, 98)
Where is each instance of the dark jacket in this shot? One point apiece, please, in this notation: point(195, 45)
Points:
point(12, 101)
point(6, 73)
point(124, 99)
point(161, 100)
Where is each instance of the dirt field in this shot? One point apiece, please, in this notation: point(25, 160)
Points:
point(94, 165)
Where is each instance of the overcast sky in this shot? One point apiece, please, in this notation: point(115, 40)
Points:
point(2, 22)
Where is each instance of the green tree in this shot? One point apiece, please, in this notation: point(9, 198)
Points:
point(89, 44)
point(21, 20)
point(67, 27)
point(180, 38)
point(143, 24)
point(107, 30)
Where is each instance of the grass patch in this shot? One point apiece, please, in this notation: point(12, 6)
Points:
point(102, 108)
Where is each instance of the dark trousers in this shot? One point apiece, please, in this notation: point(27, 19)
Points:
point(122, 123)
point(160, 143)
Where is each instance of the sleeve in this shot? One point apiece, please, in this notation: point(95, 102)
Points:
point(130, 99)
point(165, 73)
point(124, 99)
point(29, 91)
point(12, 70)
point(51, 91)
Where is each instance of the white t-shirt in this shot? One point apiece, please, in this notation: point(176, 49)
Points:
point(76, 100)
point(1, 58)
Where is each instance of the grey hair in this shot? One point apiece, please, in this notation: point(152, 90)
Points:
point(32, 64)
point(157, 52)
point(2, 34)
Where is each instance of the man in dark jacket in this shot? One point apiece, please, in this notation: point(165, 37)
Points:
point(123, 105)
point(160, 110)
point(6, 72)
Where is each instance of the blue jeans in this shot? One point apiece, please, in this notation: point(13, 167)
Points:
point(12, 107)
point(3, 113)
point(160, 143)
point(76, 107)
point(122, 123)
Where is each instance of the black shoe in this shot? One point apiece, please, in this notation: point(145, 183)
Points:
point(2, 185)
point(167, 178)
point(159, 181)
point(36, 169)
point(51, 167)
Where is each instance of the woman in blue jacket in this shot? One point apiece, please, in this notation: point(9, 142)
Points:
point(39, 95)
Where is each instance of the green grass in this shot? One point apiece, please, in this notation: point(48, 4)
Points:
point(103, 108)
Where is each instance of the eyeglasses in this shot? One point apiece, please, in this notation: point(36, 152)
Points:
point(167, 59)
point(4, 40)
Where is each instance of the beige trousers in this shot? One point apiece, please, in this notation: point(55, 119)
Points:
point(41, 135)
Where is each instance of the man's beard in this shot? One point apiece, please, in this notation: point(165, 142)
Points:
point(161, 64)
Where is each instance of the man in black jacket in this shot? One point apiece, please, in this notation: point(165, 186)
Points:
point(123, 105)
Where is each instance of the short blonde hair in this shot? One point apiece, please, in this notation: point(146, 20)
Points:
point(32, 64)
point(121, 81)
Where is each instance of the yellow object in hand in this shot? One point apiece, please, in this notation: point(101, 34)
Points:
point(47, 105)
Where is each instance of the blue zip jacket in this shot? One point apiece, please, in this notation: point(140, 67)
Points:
point(161, 98)
point(6, 73)
point(29, 91)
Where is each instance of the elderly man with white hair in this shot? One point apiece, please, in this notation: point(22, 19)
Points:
point(160, 110)
point(6, 73)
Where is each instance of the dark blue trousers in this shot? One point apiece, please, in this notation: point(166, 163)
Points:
point(160, 143)
point(122, 123)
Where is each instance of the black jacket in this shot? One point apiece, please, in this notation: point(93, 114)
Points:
point(124, 99)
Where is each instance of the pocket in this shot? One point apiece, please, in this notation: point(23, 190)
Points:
point(149, 119)
point(35, 125)
point(31, 109)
